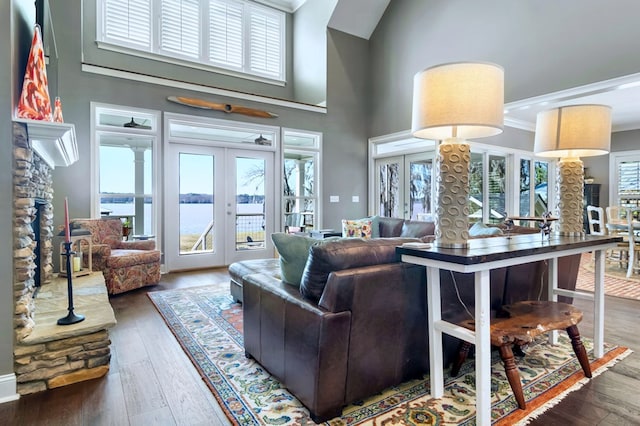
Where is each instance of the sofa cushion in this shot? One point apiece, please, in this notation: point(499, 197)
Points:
point(417, 229)
point(294, 251)
point(345, 254)
point(358, 228)
point(390, 226)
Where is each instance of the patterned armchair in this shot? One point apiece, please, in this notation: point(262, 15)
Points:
point(126, 265)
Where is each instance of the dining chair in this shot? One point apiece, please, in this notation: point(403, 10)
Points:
point(595, 217)
point(634, 244)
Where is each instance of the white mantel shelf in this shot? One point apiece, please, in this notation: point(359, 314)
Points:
point(54, 142)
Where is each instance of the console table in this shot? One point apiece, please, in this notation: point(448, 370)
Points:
point(480, 257)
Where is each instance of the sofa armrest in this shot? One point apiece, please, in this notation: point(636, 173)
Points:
point(388, 310)
point(136, 245)
point(302, 345)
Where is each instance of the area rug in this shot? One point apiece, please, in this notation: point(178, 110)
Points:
point(616, 282)
point(208, 325)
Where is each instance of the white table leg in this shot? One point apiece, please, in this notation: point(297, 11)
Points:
point(483, 347)
point(598, 308)
point(435, 337)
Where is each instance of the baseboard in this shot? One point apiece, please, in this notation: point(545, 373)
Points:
point(8, 388)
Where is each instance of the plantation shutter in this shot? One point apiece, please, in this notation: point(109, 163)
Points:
point(180, 27)
point(225, 40)
point(265, 40)
point(127, 22)
point(629, 179)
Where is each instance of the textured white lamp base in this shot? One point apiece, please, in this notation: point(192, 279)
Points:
point(570, 194)
point(452, 187)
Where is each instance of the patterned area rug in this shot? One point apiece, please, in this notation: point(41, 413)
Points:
point(208, 325)
point(616, 282)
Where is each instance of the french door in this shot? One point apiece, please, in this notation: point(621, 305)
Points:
point(219, 205)
point(404, 186)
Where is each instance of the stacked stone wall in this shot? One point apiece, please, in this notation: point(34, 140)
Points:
point(61, 362)
point(58, 359)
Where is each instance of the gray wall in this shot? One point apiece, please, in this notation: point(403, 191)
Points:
point(6, 193)
point(309, 51)
point(16, 29)
point(543, 45)
point(110, 59)
point(343, 125)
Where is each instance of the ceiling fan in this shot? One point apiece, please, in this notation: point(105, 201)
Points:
point(133, 125)
point(261, 140)
point(227, 108)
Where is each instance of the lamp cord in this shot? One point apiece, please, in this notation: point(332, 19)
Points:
point(455, 286)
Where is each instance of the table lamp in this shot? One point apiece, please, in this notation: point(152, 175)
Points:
point(571, 132)
point(453, 102)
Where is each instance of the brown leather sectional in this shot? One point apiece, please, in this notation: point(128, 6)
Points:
point(367, 330)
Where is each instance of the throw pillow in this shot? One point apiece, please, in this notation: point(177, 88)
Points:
point(479, 229)
point(294, 251)
point(359, 228)
point(346, 253)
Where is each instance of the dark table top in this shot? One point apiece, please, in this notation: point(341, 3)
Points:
point(491, 249)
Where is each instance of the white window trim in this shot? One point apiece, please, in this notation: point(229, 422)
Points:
point(156, 159)
point(202, 63)
point(614, 159)
point(317, 149)
point(512, 155)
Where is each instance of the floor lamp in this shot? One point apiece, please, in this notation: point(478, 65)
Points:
point(451, 103)
point(568, 133)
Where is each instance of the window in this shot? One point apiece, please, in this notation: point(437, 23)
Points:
point(300, 184)
point(125, 157)
point(627, 176)
point(534, 187)
point(236, 35)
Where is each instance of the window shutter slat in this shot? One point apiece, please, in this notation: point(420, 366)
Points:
point(266, 42)
point(232, 34)
point(128, 22)
point(180, 31)
point(225, 45)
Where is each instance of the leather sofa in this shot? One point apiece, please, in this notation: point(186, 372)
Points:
point(386, 227)
point(366, 330)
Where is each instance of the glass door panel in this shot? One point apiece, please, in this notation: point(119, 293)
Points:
point(389, 179)
point(250, 203)
point(196, 194)
point(419, 188)
point(195, 219)
point(250, 208)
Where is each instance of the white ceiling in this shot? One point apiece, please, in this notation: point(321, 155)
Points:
point(621, 94)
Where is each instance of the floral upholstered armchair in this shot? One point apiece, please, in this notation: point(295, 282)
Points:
point(126, 265)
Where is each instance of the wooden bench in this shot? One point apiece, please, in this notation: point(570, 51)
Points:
point(524, 322)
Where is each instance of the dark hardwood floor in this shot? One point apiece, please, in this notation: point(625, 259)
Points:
point(151, 380)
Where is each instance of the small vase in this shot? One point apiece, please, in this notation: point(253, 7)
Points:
point(57, 111)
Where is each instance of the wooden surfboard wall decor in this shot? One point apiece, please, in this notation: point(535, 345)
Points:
point(227, 108)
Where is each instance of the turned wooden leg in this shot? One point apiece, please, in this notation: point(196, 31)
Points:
point(579, 350)
point(463, 352)
point(506, 354)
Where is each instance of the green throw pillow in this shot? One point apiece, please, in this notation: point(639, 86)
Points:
point(479, 229)
point(294, 251)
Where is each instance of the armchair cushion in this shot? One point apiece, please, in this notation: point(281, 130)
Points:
point(126, 265)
